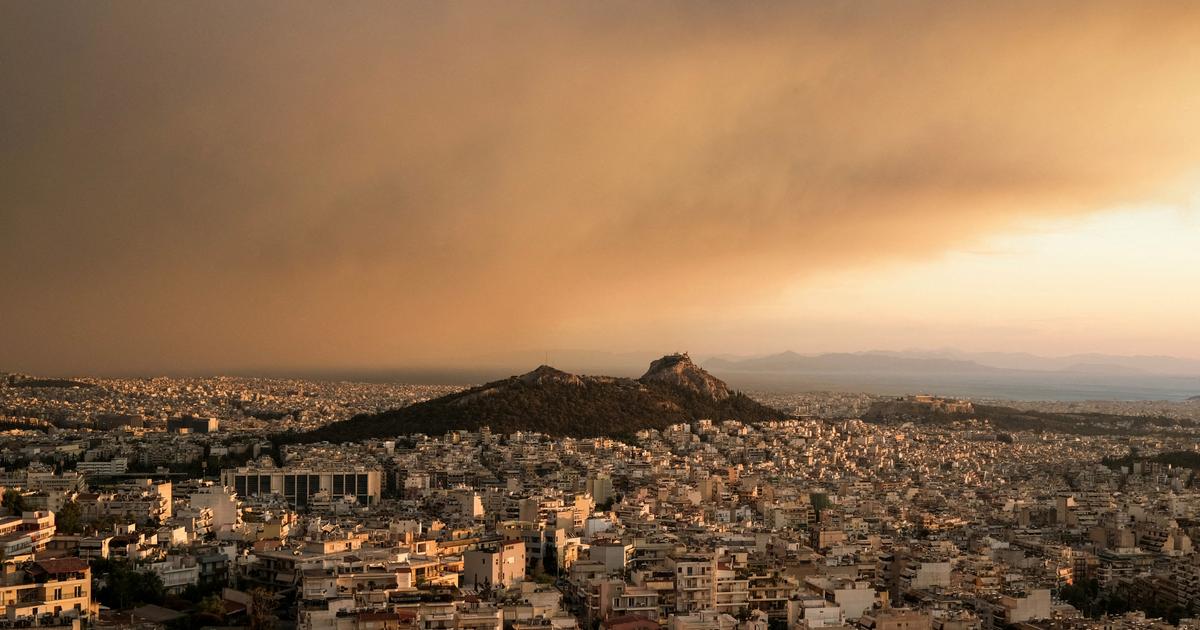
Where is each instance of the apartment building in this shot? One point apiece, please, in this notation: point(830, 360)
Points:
point(497, 564)
point(22, 536)
point(139, 500)
point(60, 587)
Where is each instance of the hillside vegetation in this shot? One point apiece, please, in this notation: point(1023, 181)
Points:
point(557, 403)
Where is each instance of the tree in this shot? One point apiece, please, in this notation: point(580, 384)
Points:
point(205, 613)
point(262, 610)
point(820, 502)
point(550, 559)
point(211, 606)
point(104, 524)
point(1083, 595)
point(14, 501)
point(69, 519)
point(126, 587)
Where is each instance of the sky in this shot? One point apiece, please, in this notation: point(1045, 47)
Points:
point(229, 185)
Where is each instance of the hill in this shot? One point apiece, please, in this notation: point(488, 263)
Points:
point(1010, 419)
point(551, 401)
point(1178, 459)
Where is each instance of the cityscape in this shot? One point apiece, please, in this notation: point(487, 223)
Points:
point(578, 315)
point(173, 502)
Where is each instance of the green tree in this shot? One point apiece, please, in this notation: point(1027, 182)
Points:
point(212, 606)
point(103, 525)
point(126, 587)
point(14, 501)
point(820, 502)
point(69, 519)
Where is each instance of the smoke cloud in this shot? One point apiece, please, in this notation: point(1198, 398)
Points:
point(226, 185)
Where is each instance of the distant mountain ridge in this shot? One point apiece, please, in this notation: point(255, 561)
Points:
point(1010, 419)
point(547, 400)
point(876, 360)
point(1012, 376)
point(843, 362)
point(1092, 361)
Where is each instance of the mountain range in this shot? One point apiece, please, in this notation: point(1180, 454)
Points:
point(992, 375)
point(547, 400)
point(881, 360)
point(981, 375)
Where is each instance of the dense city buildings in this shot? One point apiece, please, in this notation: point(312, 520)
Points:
point(195, 511)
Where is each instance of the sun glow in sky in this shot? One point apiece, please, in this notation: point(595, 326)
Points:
point(1128, 276)
point(1053, 287)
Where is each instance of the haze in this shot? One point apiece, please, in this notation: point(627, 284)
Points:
point(228, 186)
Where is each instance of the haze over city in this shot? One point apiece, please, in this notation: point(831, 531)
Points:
point(606, 315)
point(263, 187)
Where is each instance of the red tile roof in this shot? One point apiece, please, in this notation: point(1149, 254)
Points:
point(55, 566)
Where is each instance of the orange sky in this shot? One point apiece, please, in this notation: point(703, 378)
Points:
point(221, 186)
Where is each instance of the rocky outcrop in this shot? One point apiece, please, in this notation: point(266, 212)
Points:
point(679, 370)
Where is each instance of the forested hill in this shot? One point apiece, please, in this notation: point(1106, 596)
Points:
point(550, 401)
